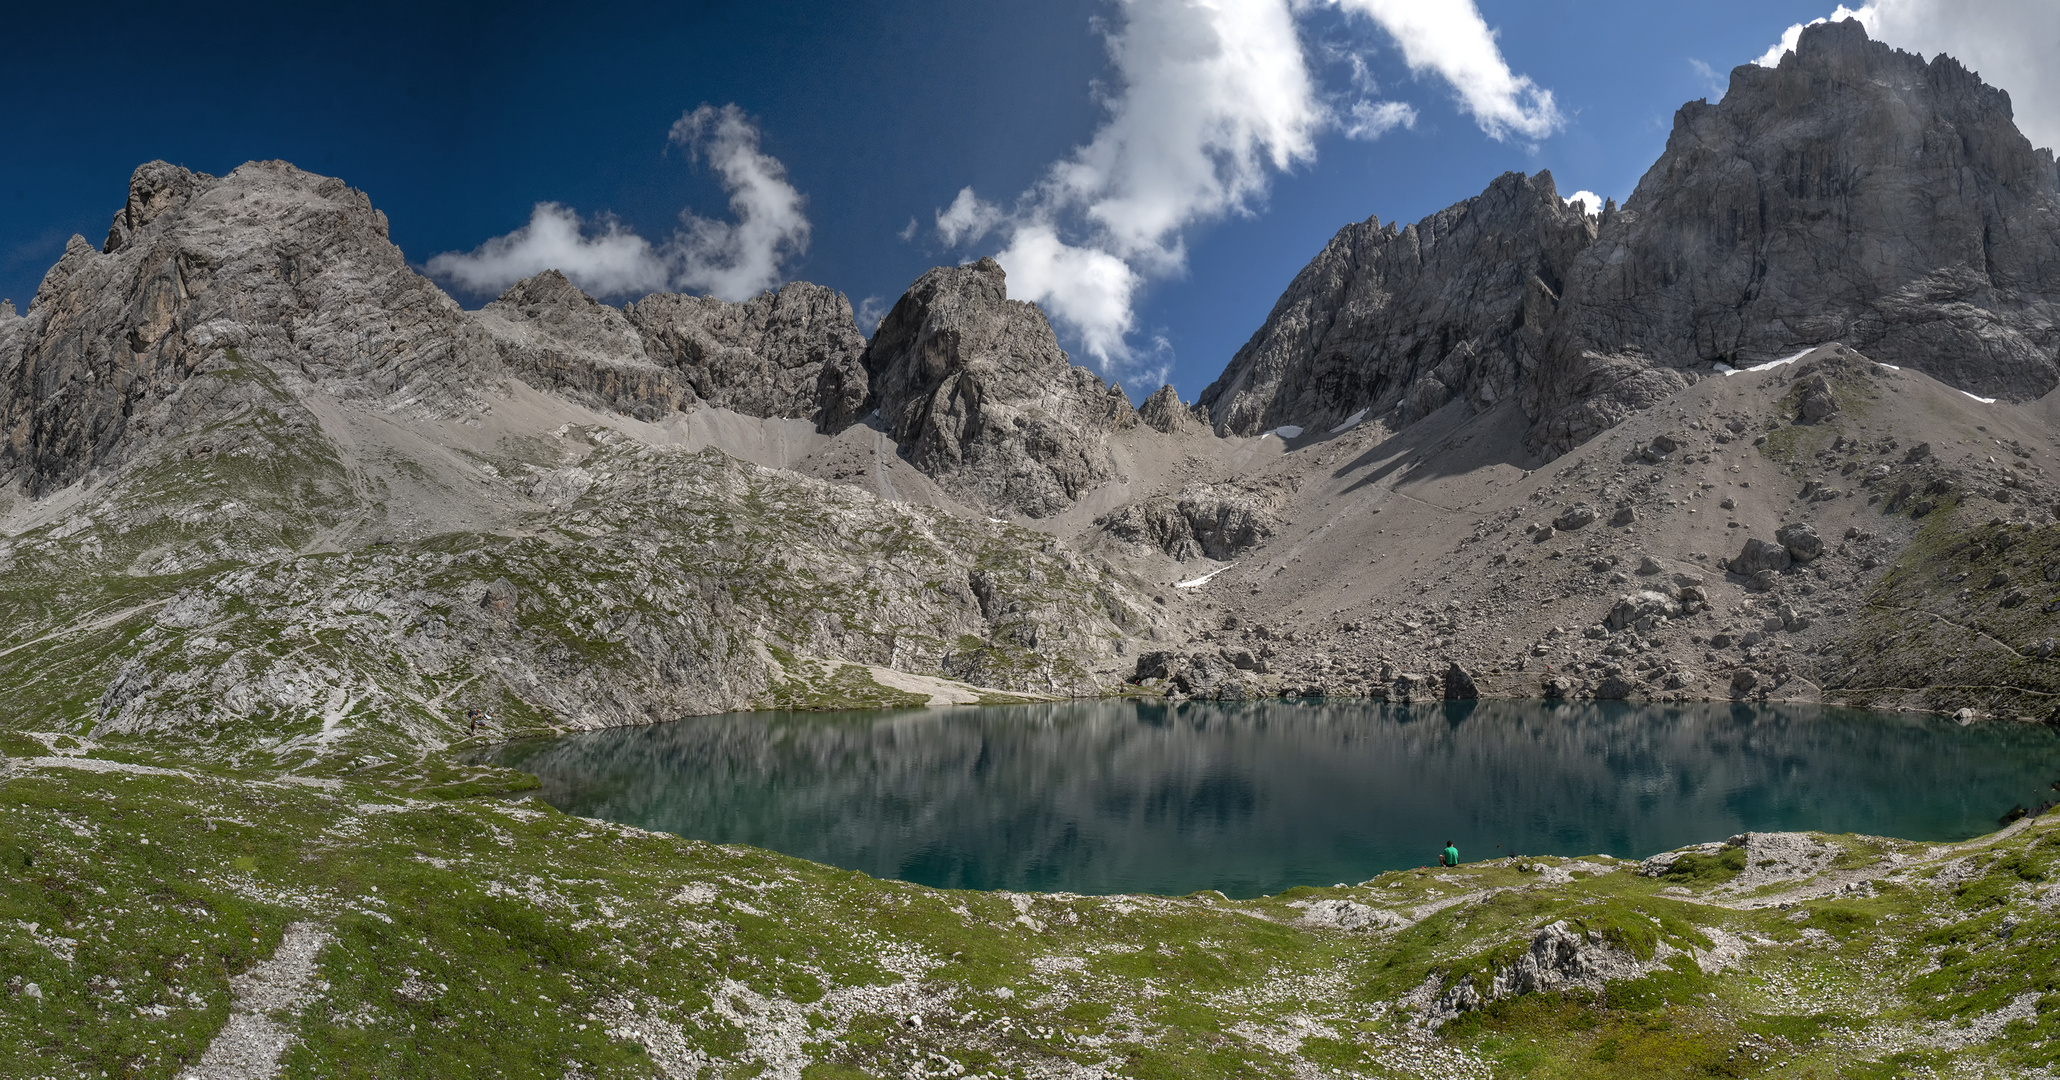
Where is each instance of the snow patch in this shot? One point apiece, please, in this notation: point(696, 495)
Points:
point(1351, 422)
point(1196, 583)
point(1978, 397)
point(1771, 364)
point(1285, 431)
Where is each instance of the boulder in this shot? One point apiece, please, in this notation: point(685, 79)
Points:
point(1758, 555)
point(501, 598)
point(1158, 664)
point(1800, 540)
point(1575, 517)
point(1459, 684)
point(1636, 607)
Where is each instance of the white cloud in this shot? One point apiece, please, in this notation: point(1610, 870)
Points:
point(732, 260)
point(1451, 40)
point(1717, 82)
point(1369, 120)
point(1589, 202)
point(1213, 94)
point(736, 261)
point(870, 311)
point(1084, 288)
point(1210, 99)
point(608, 262)
point(2012, 43)
point(968, 218)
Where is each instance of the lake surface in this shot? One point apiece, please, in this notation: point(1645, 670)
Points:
point(1105, 797)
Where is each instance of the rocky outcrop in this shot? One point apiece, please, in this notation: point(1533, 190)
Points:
point(1164, 411)
point(1404, 320)
point(977, 392)
point(795, 352)
point(558, 338)
point(288, 268)
point(1202, 521)
point(1853, 193)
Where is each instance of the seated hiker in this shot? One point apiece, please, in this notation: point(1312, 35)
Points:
point(1449, 856)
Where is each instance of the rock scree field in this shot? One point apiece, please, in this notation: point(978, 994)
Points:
point(289, 537)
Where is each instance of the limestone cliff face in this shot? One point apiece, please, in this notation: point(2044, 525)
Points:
point(791, 353)
point(1408, 319)
point(558, 338)
point(1854, 193)
point(977, 392)
point(292, 269)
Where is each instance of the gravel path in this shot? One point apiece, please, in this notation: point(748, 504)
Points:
point(249, 1045)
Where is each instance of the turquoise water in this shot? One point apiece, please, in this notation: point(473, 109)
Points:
point(1104, 797)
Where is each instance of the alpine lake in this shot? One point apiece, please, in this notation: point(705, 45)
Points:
point(1251, 799)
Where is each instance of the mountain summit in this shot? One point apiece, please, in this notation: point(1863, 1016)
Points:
point(1854, 193)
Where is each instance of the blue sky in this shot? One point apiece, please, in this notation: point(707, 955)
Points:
point(853, 120)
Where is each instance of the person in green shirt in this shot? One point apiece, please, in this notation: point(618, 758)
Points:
point(1450, 856)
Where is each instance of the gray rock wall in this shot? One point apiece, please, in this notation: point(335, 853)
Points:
point(977, 392)
point(1855, 193)
point(794, 352)
point(558, 338)
point(293, 269)
point(1407, 319)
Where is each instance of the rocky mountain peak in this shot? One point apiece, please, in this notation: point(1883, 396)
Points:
point(978, 393)
point(1402, 320)
point(291, 269)
point(155, 186)
point(794, 352)
point(1853, 193)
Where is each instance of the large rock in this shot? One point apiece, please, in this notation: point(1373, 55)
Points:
point(1801, 541)
point(1211, 521)
point(1404, 320)
point(1853, 193)
point(291, 270)
point(795, 352)
point(978, 393)
point(1758, 555)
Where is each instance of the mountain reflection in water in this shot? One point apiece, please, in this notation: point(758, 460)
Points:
point(1103, 797)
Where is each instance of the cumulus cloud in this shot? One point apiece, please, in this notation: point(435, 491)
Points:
point(968, 218)
point(1210, 97)
point(737, 260)
point(1589, 202)
point(1369, 120)
point(733, 260)
point(1209, 100)
point(1083, 287)
point(1452, 41)
point(2012, 44)
point(604, 259)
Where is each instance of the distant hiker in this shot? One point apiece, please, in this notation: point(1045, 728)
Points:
point(1450, 856)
